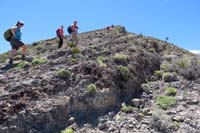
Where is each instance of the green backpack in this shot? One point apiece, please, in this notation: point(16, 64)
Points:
point(8, 35)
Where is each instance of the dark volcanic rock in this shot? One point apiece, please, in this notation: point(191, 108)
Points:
point(109, 82)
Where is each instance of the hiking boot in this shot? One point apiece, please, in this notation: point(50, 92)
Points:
point(23, 57)
point(11, 61)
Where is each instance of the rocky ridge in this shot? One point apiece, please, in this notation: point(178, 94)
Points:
point(113, 81)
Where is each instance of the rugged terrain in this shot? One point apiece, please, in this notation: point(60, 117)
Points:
point(113, 81)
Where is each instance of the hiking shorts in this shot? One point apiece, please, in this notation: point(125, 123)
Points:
point(15, 44)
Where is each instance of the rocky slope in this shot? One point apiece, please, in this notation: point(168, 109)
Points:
point(113, 81)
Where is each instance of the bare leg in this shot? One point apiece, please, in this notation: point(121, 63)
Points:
point(24, 48)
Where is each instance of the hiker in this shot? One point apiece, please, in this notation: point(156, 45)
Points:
point(60, 35)
point(16, 42)
point(74, 33)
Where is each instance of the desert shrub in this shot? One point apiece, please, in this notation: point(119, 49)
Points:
point(192, 71)
point(152, 50)
point(75, 50)
point(141, 115)
point(91, 88)
point(63, 73)
point(38, 48)
point(145, 87)
point(71, 44)
point(170, 91)
point(34, 44)
point(169, 77)
point(37, 61)
point(124, 72)
point(3, 57)
point(43, 50)
point(132, 49)
point(165, 101)
point(167, 66)
point(127, 109)
point(92, 46)
point(120, 58)
point(161, 121)
point(23, 64)
point(158, 73)
point(182, 63)
point(67, 130)
point(101, 60)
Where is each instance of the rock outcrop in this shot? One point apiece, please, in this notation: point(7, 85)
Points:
point(112, 81)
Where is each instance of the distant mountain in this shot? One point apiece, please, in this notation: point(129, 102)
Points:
point(112, 81)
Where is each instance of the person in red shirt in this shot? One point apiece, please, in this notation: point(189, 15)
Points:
point(74, 33)
point(60, 34)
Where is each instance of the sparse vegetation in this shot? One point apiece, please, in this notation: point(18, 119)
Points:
point(165, 101)
point(63, 73)
point(170, 91)
point(38, 48)
point(127, 109)
point(158, 74)
point(132, 49)
point(67, 130)
point(23, 64)
point(101, 60)
point(37, 61)
point(145, 87)
point(152, 50)
point(91, 88)
point(168, 77)
point(93, 46)
point(120, 58)
point(182, 63)
point(124, 72)
point(75, 50)
point(71, 45)
point(3, 57)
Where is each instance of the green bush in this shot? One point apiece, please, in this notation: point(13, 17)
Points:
point(38, 48)
point(127, 109)
point(145, 87)
point(37, 61)
point(101, 60)
point(3, 57)
point(70, 44)
point(170, 91)
point(67, 130)
point(124, 72)
point(120, 58)
point(157, 73)
point(152, 50)
point(23, 64)
point(182, 63)
point(93, 46)
point(165, 101)
point(75, 50)
point(92, 88)
point(168, 77)
point(132, 49)
point(63, 73)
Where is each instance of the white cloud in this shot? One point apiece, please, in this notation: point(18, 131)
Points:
point(195, 51)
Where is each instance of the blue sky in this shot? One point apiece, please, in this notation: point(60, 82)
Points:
point(177, 19)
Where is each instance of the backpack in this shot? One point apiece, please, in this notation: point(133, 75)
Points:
point(69, 30)
point(58, 32)
point(8, 35)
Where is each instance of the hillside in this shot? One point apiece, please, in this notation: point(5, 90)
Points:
point(113, 81)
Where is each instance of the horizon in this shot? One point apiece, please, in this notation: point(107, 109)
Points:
point(177, 20)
